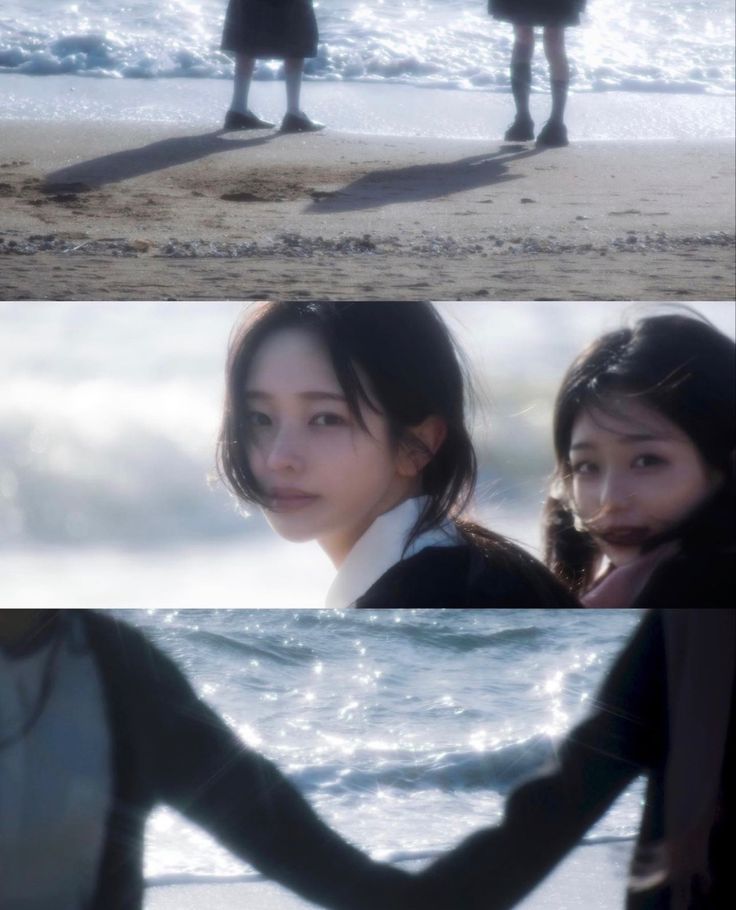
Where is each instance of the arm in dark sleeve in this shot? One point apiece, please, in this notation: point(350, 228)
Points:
point(203, 770)
point(624, 735)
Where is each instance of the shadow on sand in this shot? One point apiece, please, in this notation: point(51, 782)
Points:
point(416, 183)
point(422, 182)
point(124, 165)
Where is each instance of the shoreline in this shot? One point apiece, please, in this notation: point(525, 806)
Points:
point(367, 108)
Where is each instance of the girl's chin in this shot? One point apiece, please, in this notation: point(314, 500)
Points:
point(621, 556)
point(294, 536)
point(291, 530)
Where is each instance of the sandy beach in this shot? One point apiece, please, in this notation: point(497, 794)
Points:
point(131, 209)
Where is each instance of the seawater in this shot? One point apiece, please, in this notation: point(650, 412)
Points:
point(677, 46)
point(405, 729)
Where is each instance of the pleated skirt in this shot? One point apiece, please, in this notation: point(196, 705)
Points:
point(537, 12)
point(271, 28)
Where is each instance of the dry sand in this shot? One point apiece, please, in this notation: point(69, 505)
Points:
point(154, 211)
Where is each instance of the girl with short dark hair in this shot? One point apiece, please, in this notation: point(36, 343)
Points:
point(345, 423)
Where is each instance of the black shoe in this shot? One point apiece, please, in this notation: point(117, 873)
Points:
point(299, 123)
point(553, 134)
point(521, 130)
point(234, 120)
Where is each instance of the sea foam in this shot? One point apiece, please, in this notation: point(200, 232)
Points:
point(440, 43)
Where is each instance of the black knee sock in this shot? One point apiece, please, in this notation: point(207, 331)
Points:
point(559, 99)
point(521, 84)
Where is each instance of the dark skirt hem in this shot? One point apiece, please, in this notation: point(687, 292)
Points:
point(560, 14)
point(270, 29)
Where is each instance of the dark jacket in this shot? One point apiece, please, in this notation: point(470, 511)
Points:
point(626, 735)
point(703, 573)
point(465, 576)
point(691, 579)
point(169, 747)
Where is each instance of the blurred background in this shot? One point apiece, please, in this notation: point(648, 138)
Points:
point(108, 420)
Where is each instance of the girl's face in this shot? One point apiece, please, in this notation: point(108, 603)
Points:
point(323, 477)
point(635, 474)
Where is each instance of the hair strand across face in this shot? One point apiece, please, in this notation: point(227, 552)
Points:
point(678, 365)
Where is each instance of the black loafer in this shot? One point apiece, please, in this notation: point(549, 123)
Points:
point(299, 123)
point(234, 120)
point(521, 130)
point(553, 135)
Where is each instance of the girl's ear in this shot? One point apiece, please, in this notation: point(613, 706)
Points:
point(421, 444)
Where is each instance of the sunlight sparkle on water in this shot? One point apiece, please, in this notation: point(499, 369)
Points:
point(553, 686)
point(479, 741)
point(334, 742)
point(347, 710)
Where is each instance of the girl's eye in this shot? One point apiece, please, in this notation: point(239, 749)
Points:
point(257, 419)
point(584, 467)
point(648, 461)
point(328, 420)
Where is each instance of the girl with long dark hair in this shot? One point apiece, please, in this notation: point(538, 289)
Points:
point(345, 423)
point(641, 511)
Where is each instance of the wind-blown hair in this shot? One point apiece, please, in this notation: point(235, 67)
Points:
point(413, 369)
point(684, 368)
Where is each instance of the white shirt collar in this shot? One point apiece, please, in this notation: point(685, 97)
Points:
point(381, 547)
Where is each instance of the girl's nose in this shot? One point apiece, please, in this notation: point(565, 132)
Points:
point(615, 493)
point(285, 453)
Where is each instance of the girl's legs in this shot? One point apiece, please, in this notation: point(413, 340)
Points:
point(554, 131)
point(293, 69)
point(522, 129)
point(240, 117)
point(295, 121)
point(244, 67)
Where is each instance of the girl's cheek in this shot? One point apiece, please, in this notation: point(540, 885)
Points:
point(256, 459)
point(583, 495)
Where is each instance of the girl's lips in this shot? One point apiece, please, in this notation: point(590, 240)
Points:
point(290, 500)
point(625, 536)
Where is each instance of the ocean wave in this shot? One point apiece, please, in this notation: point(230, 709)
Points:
point(96, 56)
point(498, 770)
point(448, 638)
point(280, 652)
point(457, 45)
point(129, 483)
point(524, 635)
